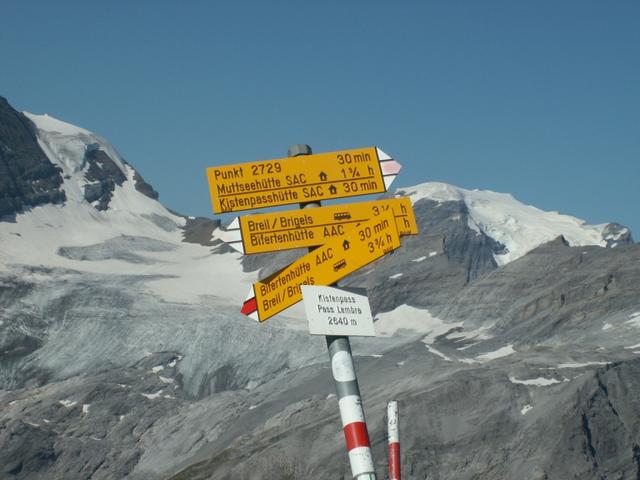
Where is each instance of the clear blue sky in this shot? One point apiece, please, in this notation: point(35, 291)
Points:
point(537, 98)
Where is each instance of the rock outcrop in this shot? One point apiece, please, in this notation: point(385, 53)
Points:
point(27, 176)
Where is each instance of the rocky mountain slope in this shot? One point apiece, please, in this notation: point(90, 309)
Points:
point(509, 335)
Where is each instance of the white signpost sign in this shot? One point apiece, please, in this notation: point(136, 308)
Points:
point(333, 311)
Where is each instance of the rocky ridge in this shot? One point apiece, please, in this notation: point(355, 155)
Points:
point(27, 177)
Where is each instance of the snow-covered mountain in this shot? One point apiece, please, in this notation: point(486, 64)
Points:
point(509, 335)
point(110, 222)
point(519, 228)
point(105, 197)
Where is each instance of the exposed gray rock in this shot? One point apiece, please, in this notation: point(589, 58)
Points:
point(27, 177)
point(442, 259)
point(556, 292)
point(87, 426)
point(252, 403)
point(546, 411)
point(143, 187)
point(200, 230)
point(616, 234)
point(247, 406)
point(104, 175)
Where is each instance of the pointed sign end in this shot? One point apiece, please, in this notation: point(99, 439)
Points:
point(237, 246)
point(250, 308)
point(388, 180)
point(382, 156)
point(233, 238)
point(390, 167)
point(234, 225)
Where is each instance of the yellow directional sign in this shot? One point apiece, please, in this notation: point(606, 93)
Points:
point(307, 178)
point(323, 266)
point(310, 227)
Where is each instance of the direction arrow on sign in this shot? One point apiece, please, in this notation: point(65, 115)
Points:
point(310, 227)
point(307, 178)
point(323, 266)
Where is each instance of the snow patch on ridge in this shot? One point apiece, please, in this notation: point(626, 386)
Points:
point(436, 191)
point(438, 353)
point(538, 382)
point(580, 365)
point(414, 321)
point(152, 396)
point(52, 124)
point(634, 320)
point(519, 227)
point(501, 352)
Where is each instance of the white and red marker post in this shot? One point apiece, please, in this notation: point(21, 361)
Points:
point(354, 425)
point(351, 411)
point(393, 435)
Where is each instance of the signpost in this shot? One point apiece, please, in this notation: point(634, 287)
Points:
point(323, 266)
point(284, 181)
point(311, 227)
point(341, 239)
point(337, 311)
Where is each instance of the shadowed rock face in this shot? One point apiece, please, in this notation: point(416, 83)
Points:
point(27, 177)
point(443, 258)
point(552, 290)
point(200, 230)
point(143, 187)
point(103, 175)
point(616, 234)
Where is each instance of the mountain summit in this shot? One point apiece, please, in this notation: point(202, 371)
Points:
point(517, 227)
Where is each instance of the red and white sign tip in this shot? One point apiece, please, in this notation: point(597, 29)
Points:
point(390, 168)
point(250, 306)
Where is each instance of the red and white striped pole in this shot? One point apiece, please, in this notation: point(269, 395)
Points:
point(351, 411)
point(344, 374)
point(394, 440)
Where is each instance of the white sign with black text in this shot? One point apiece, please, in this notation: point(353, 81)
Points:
point(335, 311)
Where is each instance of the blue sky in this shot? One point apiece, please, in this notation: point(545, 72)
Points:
point(537, 98)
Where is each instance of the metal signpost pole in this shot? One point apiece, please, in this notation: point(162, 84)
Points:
point(348, 392)
point(351, 410)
